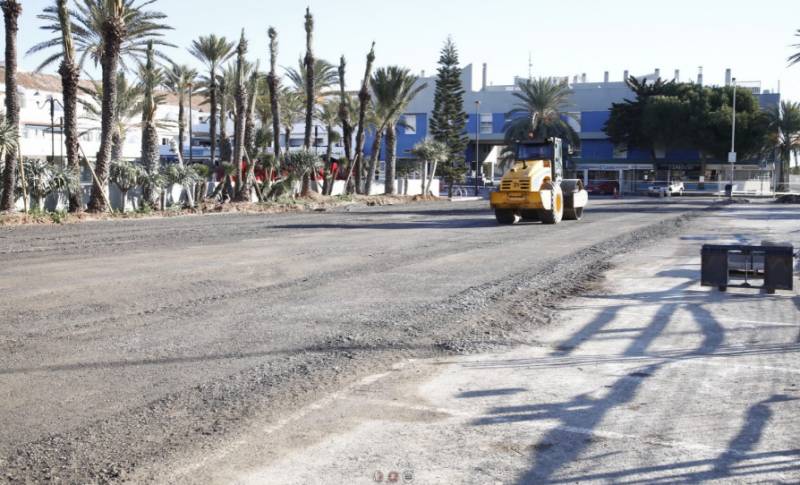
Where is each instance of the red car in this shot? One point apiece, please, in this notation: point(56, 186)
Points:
point(608, 187)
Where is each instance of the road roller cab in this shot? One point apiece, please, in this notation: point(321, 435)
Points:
point(534, 187)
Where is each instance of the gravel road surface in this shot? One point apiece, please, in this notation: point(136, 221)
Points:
point(125, 345)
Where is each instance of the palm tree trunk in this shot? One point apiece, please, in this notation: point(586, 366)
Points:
point(373, 161)
point(430, 178)
point(243, 184)
point(69, 87)
point(309, 63)
point(116, 144)
point(363, 102)
point(113, 30)
point(212, 121)
point(327, 187)
point(150, 159)
point(225, 154)
point(11, 12)
point(344, 112)
point(181, 122)
point(391, 159)
point(274, 104)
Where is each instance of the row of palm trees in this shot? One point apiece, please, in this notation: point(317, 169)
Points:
point(124, 37)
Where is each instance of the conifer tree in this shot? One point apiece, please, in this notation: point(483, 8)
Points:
point(449, 121)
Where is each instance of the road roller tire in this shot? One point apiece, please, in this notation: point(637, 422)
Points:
point(529, 215)
point(574, 214)
point(556, 212)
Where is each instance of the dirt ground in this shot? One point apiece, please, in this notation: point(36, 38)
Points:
point(646, 378)
point(130, 345)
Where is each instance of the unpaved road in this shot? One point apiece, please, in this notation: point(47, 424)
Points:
point(128, 344)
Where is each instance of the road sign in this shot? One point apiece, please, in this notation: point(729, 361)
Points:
point(732, 157)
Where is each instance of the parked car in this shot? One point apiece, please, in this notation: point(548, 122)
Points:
point(664, 189)
point(608, 187)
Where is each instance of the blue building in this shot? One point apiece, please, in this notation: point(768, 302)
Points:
point(598, 160)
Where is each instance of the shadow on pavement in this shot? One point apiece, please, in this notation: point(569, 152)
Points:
point(579, 417)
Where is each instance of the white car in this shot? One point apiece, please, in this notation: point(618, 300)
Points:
point(663, 189)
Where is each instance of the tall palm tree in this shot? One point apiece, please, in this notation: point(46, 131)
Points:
point(244, 181)
point(274, 92)
point(325, 77)
point(310, 84)
point(126, 109)
point(292, 109)
point(89, 18)
point(213, 51)
point(110, 32)
point(345, 112)
point(11, 12)
point(59, 16)
point(394, 88)
point(364, 101)
point(795, 58)
point(542, 100)
point(152, 77)
point(784, 136)
point(226, 90)
point(255, 87)
point(179, 80)
point(263, 112)
point(328, 115)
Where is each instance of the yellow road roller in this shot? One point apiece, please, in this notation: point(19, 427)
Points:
point(534, 188)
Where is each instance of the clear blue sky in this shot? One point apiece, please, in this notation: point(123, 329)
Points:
point(588, 36)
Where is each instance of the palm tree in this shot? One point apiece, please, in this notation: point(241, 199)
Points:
point(292, 107)
point(542, 100)
point(394, 88)
point(345, 112)
point(364, 101)
point(226, 90)
point(427, 151)
point(89, 20)
point(11, 12)
point(309, 84)
point(274, 92)
point(109, 32)
point(60, 21)
point(784, 136)
point(179, 80)
point(328, 115)
point(151, 78)
point(795, 58)
point(126, 176)
point(244, 182)
point(325, 77)
point(127, 107)
point(9, 138)
point(254, 91)
point(213, 51)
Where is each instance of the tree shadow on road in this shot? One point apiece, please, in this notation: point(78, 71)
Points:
point(579, 417)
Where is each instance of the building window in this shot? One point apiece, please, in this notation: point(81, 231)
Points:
point(410, 122)
point(486, 123)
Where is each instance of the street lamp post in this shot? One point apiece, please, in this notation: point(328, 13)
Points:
point(477, 144)
point(191, 156)
point(52, 101)
point(732, 155)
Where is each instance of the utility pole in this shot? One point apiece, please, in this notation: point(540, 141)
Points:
point(732, 154)
point(477, 144)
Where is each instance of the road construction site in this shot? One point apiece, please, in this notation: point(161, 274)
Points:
point(423, 340)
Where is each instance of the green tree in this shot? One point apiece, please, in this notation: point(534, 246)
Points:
point(292, 109)
point(795, 58)
point(328, 115)
point(784, 136)
point(180, 78)
point(363, 106)
point(449, 121)
point(543, 100)
point(430, 151)
point(244, 181)
point(11, 12)
point(345, 110)
point(126, 176)
point(274, 92)
point(212, 51)
point(127, 107)
point(59, 18)
point(151, 78)
point(394, 88)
